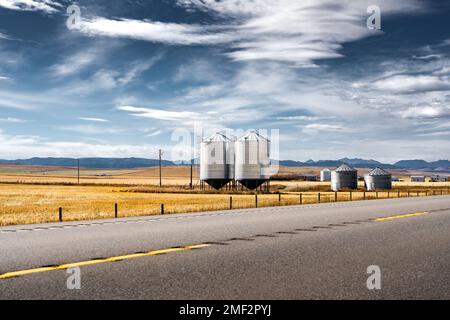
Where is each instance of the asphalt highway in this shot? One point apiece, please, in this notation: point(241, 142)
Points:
point(300, 252)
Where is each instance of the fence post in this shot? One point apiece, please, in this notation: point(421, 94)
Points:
point(389, 194)
point(162, 209)
point(256, 200)
point(377, 194)
point(335, 196)
point(351, 196)
point(116, 211)
point(364, 195)
point(279, 199)
point(398, 194)
point(409, 193)
point(60, 215)
point(318, 197)
point(231, 202)
point(301, 198)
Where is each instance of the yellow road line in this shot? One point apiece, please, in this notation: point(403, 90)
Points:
point(403, 216)
point(97, 261)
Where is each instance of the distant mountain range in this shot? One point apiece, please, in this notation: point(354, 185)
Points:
point(98, 163)
point(129, 163)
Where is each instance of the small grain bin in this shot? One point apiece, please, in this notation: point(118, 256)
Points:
point(378, 179)
point(344, 177)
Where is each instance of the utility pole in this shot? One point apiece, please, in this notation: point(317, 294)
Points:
point(160, 167)
point(192, 165)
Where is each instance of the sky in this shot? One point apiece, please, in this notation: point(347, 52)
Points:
point(130, 77)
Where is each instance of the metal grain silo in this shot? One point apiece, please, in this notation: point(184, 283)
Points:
point(344, 177)
point(378, 179)
point(252, 159)
point(217, 161)
point(325, 175)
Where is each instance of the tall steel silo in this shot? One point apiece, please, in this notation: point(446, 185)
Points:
point(378, 179)
point(217, 161)
point(325, 175)
point(344, 177)
point(252, 158)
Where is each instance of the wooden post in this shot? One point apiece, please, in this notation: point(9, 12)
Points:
point(279, 199)
point(116, 210)
point(256, 201)
point(335, 196)
point(351, 196)
point(398, 194)
point(301, 198)
point(60, 215)
point(231, 203)
point(78, 169)
point(160, 168)
point(318, 197)
point(162, 209)
point(377, 194)
point(364, 195)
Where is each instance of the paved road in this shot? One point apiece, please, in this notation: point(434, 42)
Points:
point(304, 252)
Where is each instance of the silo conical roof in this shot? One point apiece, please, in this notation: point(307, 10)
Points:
point(253, 136)
point(345, 168)
point(379, 172)
point(217, 137)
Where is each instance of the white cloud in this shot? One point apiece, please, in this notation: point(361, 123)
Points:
point(103, 79)
point(315, 128)
point(147, 30)
point(12, 120)
point(75, 63)
point(425, 112)
point(154, 133)
point(412, 83)
point(93, 119)
point(90, 129)
point(4, 78)
point(14, 147)
point(161, 114)
point(295, 31)
point(136, 69)
point(48, 6)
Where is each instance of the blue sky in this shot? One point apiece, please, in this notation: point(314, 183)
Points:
point(134, 72)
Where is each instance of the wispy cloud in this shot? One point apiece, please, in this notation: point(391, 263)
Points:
point(161, 114)
point(12, 120)
point(412, 83)
point(75, 63)
point(91, 129)
point(93, 119)
point(299, 32)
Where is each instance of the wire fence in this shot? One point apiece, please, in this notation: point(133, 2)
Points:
point(235, 202)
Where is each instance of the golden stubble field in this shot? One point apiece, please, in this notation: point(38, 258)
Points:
point(34, 194)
